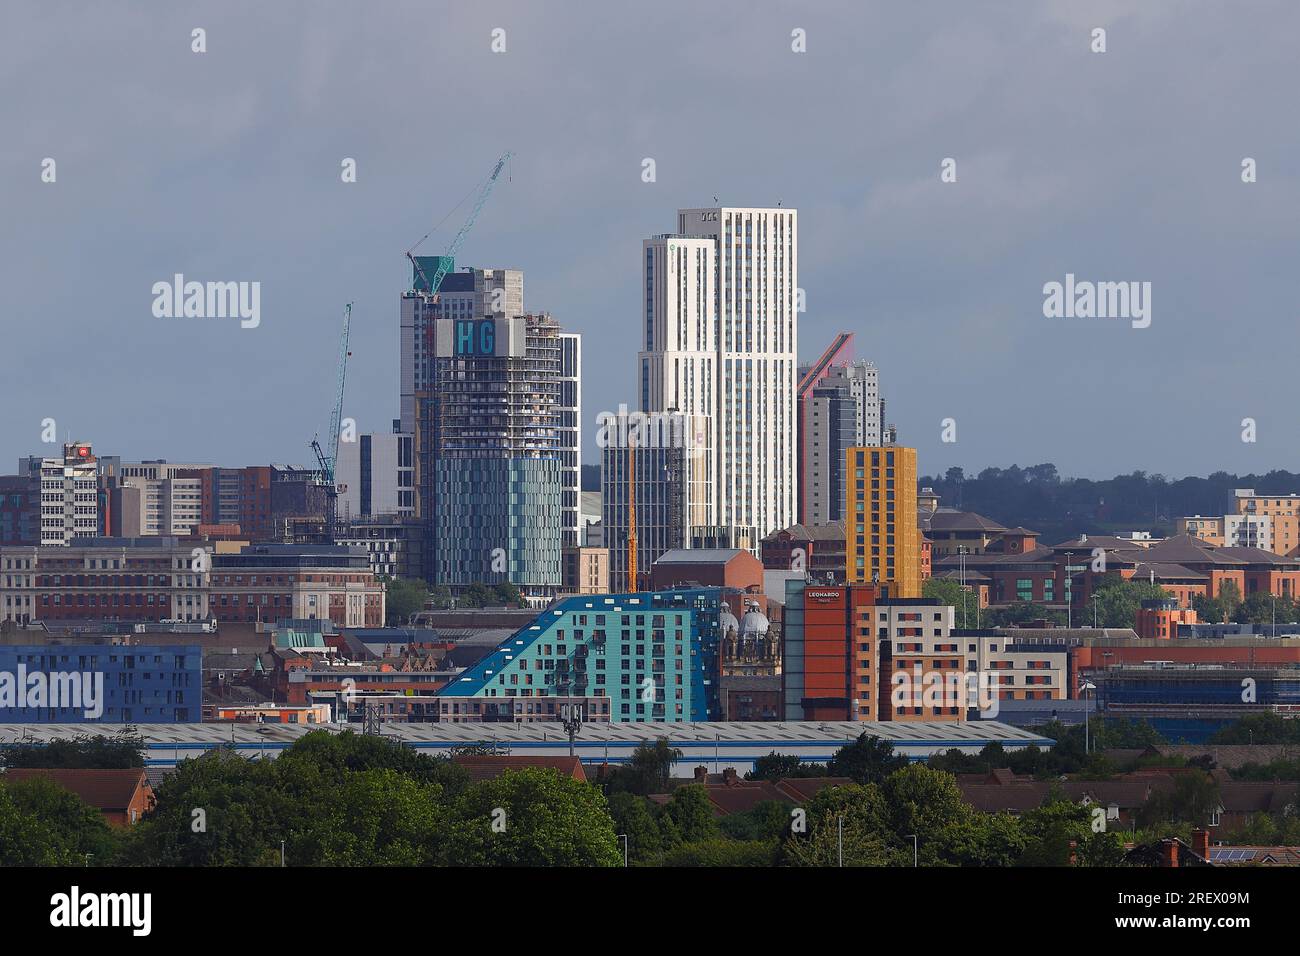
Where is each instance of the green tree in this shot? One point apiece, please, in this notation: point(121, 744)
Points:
point(1230, 595)
point(404, 598)
point(978, 839)
point(649, 769)
point(77, 827)
point(993, 756)
point(1061, 829)
point(635, 819)
point(949, 591)
point(1279, 769)
point(25, 840)
point(923, 801)
point(775, 766)
point(1020, 612)
point(1263, 728)
point(531, 817)
point(1264, 608)
point(765, 820)
point(219, 809)
point(866, 760)
point(373, 818)
point(83, 752)
point(1122, 733)
point(1118, 600)
point(1050, 830)
point(851, 821)
point(1192, 800)
point(477, 594)
point(718, 852)
point(337, 753)
point(1211, 610)
point(691, 814)
point(1260, 829)
point(507, 595)
point(43, 824)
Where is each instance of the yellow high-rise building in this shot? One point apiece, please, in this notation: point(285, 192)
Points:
point(882, 538)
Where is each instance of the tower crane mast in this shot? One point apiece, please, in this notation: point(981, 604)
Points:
point(441, 272)
point(329, 461)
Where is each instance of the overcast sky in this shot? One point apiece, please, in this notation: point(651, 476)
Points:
point(225, 165)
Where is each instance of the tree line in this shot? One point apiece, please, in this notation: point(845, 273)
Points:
point(356, 800)
point(1039, 498)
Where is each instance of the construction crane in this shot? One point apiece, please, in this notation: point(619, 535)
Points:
point(485, 190)
point(328, 462)
point(631, 513)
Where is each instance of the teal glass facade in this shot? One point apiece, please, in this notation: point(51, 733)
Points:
point(498, 520)
point(654, 655)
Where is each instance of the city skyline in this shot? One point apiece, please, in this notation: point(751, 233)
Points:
point(231, 172)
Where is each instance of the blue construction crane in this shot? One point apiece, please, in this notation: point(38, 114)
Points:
point(329, 462)
point(432, 285)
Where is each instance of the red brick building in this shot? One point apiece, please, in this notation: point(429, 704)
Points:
point(1069, 572)
point(303, 582)
point(816, 549)
point(708, 567)
point(1159, 620)
point(103, 579)
point(122, 796)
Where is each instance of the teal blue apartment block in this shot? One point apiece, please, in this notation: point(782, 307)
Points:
point(654, 655)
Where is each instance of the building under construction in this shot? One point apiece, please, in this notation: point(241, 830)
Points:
point(1188, 703)
point(496, 424)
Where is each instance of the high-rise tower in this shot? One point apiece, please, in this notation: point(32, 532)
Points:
point(719, 338)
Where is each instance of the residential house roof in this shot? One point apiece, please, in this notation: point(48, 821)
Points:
point(105, 790)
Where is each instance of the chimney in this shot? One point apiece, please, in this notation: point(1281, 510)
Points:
point(701, 774)
point(1169, 852)
point(729, 776)
point(1201, 843)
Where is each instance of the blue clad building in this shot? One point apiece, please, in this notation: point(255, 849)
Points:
point(653, 655)
point(101, 683)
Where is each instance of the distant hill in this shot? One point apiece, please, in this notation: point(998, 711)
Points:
point(1038, 498)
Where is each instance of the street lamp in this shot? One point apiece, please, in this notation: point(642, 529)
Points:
point(916, 850)
point(1086, 686)
point(623, 837)
point(1070, 569)
point(961, 552)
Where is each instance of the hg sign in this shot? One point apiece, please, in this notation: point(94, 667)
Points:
point(475, 337)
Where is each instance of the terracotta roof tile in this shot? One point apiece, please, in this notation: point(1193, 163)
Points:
point(106, 790)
